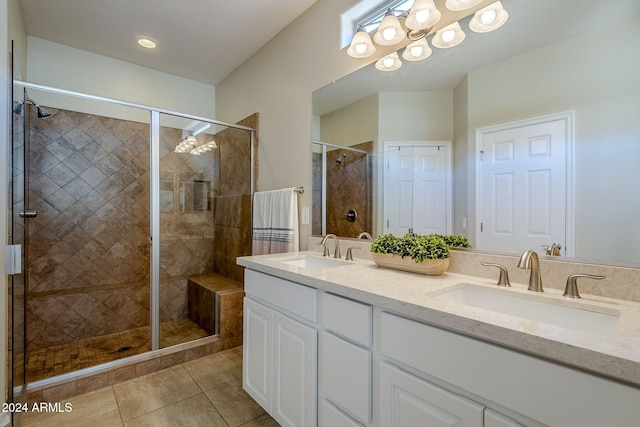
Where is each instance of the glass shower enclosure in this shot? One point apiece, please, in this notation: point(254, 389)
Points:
point(116, 206)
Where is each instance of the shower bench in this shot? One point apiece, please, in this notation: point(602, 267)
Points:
point(215, 304)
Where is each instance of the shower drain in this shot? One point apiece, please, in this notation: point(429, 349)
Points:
point(124, 348)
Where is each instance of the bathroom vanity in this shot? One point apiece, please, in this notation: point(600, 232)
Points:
point(335, 343)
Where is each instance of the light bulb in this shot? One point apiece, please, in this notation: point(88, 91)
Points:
point(361, 48)
point(417, 51)
point(388, 33)
point(488, 17)
point(422, 16)
point(388, 62)
point(448, 36)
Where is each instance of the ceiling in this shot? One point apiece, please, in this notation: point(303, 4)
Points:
point(531, 24)
point(205, 40)
point(201, 40)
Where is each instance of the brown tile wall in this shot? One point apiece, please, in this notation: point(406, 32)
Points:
point(349, 187)
point(89, 245)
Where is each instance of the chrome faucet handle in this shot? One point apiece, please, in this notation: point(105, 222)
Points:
point(503, 279)
point(336, 253)
point(325, 250)
point(349, 255)
point(571, 290)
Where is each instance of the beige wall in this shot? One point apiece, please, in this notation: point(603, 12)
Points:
point(416, 116)
point(277, 82)
point(353, 124)
point(64, 67)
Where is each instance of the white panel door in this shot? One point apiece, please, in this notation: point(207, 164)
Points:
point(257, 362)
point(416, 188)
point(429, 196)
point(399, 190)
point(294, 372)
point(523, 187)
point(408, 401)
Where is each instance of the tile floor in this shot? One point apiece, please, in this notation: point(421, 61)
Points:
point(203, 392)
point(56, 360)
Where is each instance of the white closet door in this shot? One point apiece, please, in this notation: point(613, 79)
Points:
point(416, 188)
point(523, 187)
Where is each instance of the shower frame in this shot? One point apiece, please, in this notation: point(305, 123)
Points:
point(154, 145)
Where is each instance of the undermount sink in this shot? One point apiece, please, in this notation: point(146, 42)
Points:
point(313, 262)
point(592, 319)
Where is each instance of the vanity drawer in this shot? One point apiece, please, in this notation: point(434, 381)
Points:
point(347, 318)
point(289, 296)
point(346, 375)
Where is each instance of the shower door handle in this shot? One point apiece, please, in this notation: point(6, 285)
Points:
point(28, 214)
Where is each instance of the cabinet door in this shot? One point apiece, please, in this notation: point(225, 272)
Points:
point(330, 416)
point(295, 372)
point(408, 401)
point(494, 419)
point(257, 361)
point(346, 376)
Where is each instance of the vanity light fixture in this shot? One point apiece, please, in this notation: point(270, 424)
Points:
point(461, 4)
point(390, 62)
point(423, 15)
point(416, 23)
point(390, 31)
point(361, 45)
point(489, 18)
point(190, 145)
point(417, 51)
point(449, 36)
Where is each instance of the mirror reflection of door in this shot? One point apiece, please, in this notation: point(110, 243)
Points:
point(524, 196)
point(417, 188)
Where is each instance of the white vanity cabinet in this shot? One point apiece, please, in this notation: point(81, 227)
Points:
point(532, 391)
point(408, 401)
point(280, 348)
point(346, 371)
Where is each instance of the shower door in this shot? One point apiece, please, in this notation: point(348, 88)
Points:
point(81, 180)
point(17, 236)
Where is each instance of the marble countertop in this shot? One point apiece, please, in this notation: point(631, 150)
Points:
point(615, 354)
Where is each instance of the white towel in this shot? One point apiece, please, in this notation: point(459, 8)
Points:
point(275, 221)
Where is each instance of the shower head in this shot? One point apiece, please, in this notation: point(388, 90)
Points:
point(341, 158)
point(42, 113)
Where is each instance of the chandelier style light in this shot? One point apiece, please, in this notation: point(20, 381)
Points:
point(397, 26)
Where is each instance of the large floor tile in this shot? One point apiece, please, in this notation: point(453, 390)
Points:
point(96, 409)
point(145, 394)
point(263, 420)
point(234, 404)
point(224, 367)
point(194, 411)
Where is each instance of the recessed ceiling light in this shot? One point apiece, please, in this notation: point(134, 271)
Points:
point(147, 43)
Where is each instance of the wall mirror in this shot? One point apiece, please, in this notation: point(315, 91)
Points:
point(550, 57)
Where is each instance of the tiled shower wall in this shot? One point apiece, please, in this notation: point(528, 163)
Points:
point(349, 186)
point(89, 245)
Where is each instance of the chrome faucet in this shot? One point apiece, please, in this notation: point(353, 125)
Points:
point(529, 259)
point(365, 235)
point(553, 249)
point(336, 253)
